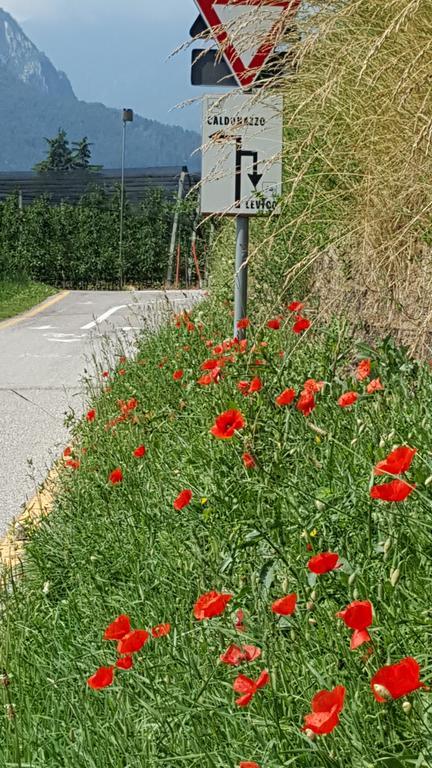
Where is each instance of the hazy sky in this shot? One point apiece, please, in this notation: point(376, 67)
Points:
point(115, 51)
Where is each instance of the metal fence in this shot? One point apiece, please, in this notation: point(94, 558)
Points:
point(71, 186)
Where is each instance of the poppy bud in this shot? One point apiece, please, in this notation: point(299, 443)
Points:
point(380, 690)
point(4, 679)
point(352, 578)
point(313, 595)
point(353, 442)
point(407, 707)
point(46, 588)
point(310, 605)
point(10, 712)
point(382, 443)
point(319, 505)
point(394, 577)
point(428, 481)
point(313, 621)
point(310, 734)
point(355, 594)
point(293, 636)
point(387, 545)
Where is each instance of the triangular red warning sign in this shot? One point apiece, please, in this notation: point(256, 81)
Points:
point(235, 22)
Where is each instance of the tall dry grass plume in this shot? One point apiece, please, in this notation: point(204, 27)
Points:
point(357, 209)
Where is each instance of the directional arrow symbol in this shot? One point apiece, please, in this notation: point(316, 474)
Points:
point(255, 178)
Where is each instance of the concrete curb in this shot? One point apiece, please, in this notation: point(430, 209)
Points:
point(12, 546)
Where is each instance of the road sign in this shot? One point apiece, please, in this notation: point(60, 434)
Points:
point(238, 24)
point(241, 155)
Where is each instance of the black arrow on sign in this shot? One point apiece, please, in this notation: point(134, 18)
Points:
point(255, 177)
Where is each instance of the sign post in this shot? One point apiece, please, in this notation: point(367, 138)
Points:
point(242, 134)
point(241, 275)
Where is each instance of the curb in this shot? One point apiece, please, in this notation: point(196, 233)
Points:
point(12, 546)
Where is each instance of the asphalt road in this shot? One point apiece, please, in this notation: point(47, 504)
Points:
point(43, 358)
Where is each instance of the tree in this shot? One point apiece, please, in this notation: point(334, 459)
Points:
point(82, 155)
point(59, 156)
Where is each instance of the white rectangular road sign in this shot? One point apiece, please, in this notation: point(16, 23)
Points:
point(242, 154)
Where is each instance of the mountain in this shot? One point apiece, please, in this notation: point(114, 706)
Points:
point(36, 100)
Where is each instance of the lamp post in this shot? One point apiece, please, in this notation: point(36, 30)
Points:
point(128, 116)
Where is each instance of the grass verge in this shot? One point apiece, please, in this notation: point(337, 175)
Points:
point(17, 297)
point(109, 549)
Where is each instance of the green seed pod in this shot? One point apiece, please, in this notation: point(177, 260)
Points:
point(394, 577)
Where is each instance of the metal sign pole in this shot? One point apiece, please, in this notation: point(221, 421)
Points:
point(241, 275)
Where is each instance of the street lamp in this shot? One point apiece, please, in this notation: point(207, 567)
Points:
point(128, 117)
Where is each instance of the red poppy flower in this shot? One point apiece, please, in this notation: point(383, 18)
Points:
point(91, 415)
point(396, 680)
point(295, 306)
point(349, 398)
point(227, 424)
point(120, 627)
point(306, 403)
point(116, 476)
point(209, 365)
point(397, 462)
point(358, 616)
point(313, 386)
point(133, 641)
point(211, 604)
point(122, 372)
point(363, 370)
point(209, 378)
point(161, 630)
point(248, 764)
point(396, 490)
point(286, 397)
point(248, 687)
point(326, 708)
point(183, 499)
point(374, 386)
point(67, 452)
point(234, 655)
point(301, 324)
point(274, 324)
point(177, 375)
point(102, 678)
point(243, 323)
point(140, 452)
point(105, 374)
point(239, 622)
point(323, 563)
point(248, 461)
point(285, 606)
point(190, 327)
point(73, 463)
point(125, 662)
point(256, 385)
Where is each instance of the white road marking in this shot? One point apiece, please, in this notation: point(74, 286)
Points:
point(65, 341)
point(41, 327)
point(131, 328)
point(103, 317)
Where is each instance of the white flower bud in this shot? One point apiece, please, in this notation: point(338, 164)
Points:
point(380, 690)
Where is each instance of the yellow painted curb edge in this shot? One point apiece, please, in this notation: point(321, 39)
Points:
point(35, 311)
point(12, 546)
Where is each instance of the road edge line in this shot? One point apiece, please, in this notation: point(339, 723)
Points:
point(34, 311)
